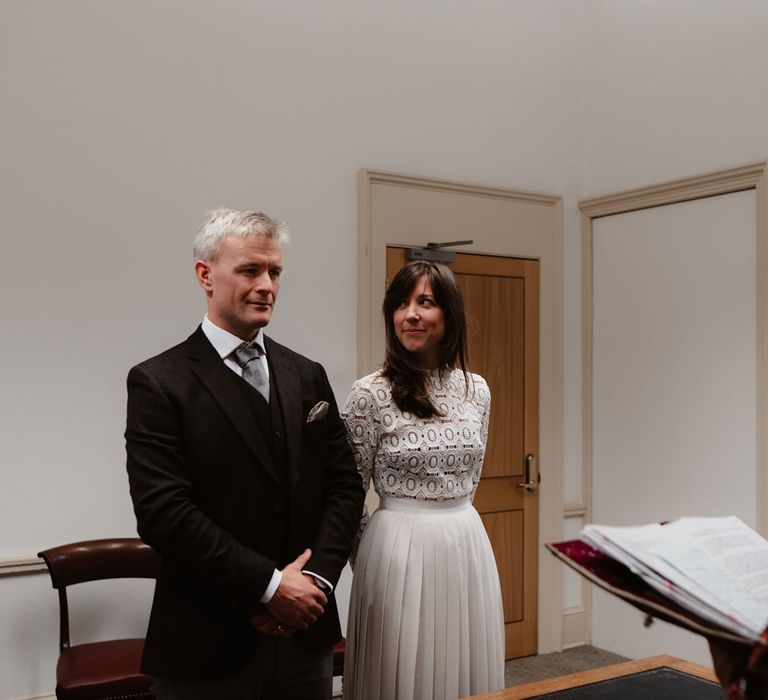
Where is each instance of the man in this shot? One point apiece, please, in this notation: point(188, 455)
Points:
point(742, 668)
point(243, 482)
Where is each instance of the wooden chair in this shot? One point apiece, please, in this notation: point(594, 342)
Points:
point(105, 670)
point(338, 657)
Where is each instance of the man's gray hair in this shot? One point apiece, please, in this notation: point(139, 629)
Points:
point(218, 223)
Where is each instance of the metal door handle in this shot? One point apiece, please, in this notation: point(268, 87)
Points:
point(531, 483)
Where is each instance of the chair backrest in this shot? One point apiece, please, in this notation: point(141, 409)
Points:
point(96, 560)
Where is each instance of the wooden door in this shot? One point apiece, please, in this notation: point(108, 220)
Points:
point(501, 296)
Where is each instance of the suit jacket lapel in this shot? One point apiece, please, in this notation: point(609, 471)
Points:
point(221, 383)
point(283, 373)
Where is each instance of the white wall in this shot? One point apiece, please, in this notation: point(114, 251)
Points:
point(668, 89)
point(671, 89)
point(123, 122)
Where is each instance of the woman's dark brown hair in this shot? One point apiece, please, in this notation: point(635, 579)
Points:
point(408, 380)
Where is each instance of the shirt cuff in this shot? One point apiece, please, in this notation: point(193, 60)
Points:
point(322, 584)
point(272, 587)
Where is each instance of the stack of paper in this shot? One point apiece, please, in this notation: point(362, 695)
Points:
point(716, 568)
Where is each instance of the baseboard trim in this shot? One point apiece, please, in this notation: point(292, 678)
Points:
point(575, 629)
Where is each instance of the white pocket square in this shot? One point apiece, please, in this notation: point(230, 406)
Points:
point(319, 411)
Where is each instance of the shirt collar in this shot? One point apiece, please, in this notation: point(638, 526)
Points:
point(224, 342)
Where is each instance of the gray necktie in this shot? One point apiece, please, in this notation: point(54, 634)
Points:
point(248, 357)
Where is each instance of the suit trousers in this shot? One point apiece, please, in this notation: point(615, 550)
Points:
point(281, 669)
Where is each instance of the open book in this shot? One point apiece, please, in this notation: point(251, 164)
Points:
point(707, 574)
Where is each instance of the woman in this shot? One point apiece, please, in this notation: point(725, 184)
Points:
point(425, 619)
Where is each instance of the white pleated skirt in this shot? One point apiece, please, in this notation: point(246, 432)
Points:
point(425, 619)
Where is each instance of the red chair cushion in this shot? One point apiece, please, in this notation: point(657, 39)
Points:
point(338, 657)
point(101, 669)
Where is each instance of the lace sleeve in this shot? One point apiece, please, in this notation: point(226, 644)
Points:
point(361, 417)
point(486, 416)
point(484, 406)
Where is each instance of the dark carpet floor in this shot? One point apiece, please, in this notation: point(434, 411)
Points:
point(543, 666)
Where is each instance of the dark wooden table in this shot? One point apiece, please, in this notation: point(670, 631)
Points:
point(614, 682)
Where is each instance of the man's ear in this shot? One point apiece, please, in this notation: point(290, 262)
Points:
point(203, 273)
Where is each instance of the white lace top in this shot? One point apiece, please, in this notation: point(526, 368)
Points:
point(437, 458)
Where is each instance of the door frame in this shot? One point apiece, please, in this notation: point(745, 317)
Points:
point(749, 177)
point(544, 243)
